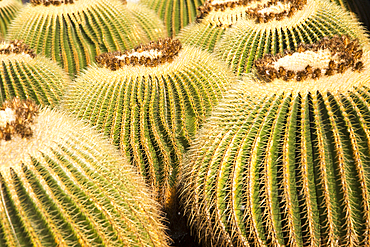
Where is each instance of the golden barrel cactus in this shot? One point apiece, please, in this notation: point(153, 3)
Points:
point(150, 101)
point(62, 184)
point(249, 40)
point(8, 10)
point(284, 160)
point(25, 75)
point(72, 33)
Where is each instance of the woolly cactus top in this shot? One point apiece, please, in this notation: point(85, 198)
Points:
point(327, 57)
point(16, 47)
point(227, 13)
point(52, 2)
point(149, 55)
point(15, 118)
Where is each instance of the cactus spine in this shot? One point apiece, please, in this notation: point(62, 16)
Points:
point(73, 33)
point(26, 75)
point(176, 14)
point(248, 40)
point(285, 161)
point(8, 11)
point(63, 185)
point(150, 101)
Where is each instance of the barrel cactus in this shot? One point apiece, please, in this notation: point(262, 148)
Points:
point(26, 75)
point(176, 14)
point(62, 184)
point(150, 101)
point(359, 9)
point(8, 11)
point(285, 158)
point(74, 32)
point(247, 40)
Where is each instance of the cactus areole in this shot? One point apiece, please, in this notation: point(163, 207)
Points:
point(226, 13)
point(16, 47)
point(52, 2)
point(284, 160)
point(149, 55)
point(15, 118)
point(325, 58)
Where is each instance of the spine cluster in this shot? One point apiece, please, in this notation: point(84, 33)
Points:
point(150, 55)
point(254, 13)
point(16, 47)
point(345, 53)
point(24, 112)
point(52, 2)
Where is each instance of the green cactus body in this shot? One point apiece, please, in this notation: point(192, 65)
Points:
point(148, 20)
point(28, 76)
point(151, 112)
point(64, 185)
point(74, 33)
point(285, 162)
point(176, 14)
point(8, 11)
point(247, 40)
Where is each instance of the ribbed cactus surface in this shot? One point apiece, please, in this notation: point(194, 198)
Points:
point(285, 162)
point(176, 14)
point(73, 33)
point(8, 11)
point(247, 40)
point(64, 185)
point(359, 9)
point(152, 106)
point(25, 75)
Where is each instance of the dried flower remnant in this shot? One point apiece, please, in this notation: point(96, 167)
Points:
point(51, 2)
point(325, 58)
point(149, 55)
point(262, 11)
point(16, 47)
point(16, 117)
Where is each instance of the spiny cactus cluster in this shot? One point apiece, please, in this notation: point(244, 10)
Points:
point(247, 41)
point(151, 55)
point(66, 186)
point(21, 114)
point(284, 163)
point(345, 54)
point(27, 76)
point(151, 113)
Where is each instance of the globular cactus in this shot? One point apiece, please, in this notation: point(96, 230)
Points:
point(8, 11)
point(247, 41)
point(74, 32)
point(62, 184)
point(359, 9)
point(176, 14)
point(26, 75)
point(284, 160)
point(150, 101)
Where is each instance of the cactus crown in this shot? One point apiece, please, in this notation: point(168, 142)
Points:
point(149, 55)
point(51, 2)
point(260, 11)
point(15, 118)
point(16, 47)
point(326, 57)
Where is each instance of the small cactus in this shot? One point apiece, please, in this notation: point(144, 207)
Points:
point(8, 11)
point(150, 101)
point(176, 14)
point(62, 184)
point(285, 160)
point(72, 33)
point(26, 75)
point(247, 41)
